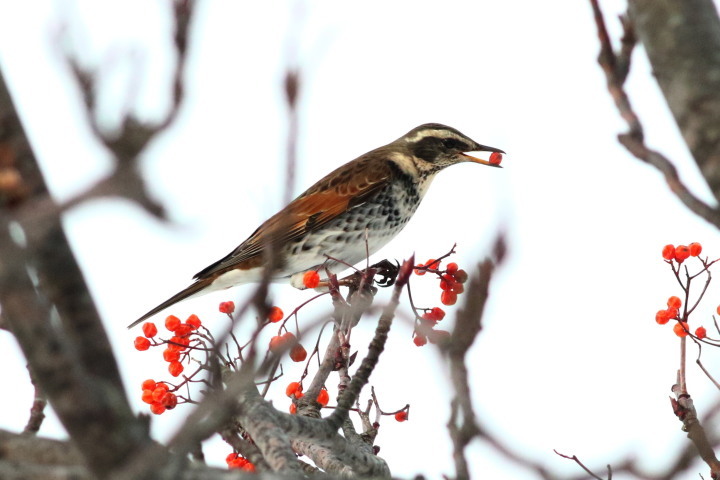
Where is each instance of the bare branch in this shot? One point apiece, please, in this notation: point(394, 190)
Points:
point(682, 41)
point(60, 331)
point(633, 140)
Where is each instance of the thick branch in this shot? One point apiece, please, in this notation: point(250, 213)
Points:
point(616, 68)
point(682, 40)
point(70, 356)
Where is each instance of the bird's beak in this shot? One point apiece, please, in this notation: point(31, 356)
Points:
point(482, 148)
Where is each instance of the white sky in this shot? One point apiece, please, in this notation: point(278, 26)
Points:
point(570, 357)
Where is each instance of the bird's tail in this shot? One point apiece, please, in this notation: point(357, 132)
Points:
point(195, 289)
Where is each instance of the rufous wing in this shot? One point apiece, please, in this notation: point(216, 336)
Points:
point(335, 194)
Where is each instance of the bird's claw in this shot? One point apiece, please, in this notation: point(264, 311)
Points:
point(387, 271)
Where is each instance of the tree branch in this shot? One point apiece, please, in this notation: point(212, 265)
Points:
point(682, 40)
point(59, 329)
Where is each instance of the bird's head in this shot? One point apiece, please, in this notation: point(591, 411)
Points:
point(436, 146)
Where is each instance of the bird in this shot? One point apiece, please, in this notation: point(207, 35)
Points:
point(350, 213)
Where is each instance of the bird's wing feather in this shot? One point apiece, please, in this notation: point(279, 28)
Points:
point(341, 190)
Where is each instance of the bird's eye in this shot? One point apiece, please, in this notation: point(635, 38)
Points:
point(452, 144)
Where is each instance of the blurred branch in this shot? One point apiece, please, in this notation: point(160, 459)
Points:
point(134, 135)
point(462, 425)
point(41, 283)
point(47, 306)
point(575, 459)
point(682, 41)
point(616, 67)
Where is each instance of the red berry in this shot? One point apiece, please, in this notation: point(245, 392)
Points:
point(401, 416)
point(175, 368)
point(149, 329)
point(433, 264)
point(193, 321)
point(275, 314)
point(461, 276)
point(236, 461)
point(451, 268)
point(157, 394)
point(495, 158)
point(662, 317)
point(147, 396)
point(169, 400)
point(668, 252)
point(298, 353)
point(682, 252)
point(179, 343)
point(149, 384)
point(172, 322)
point(419, 340)
point(160, 390)
point(419, 272)
point(293, 409)
point(437, 313)
point(227, 307)
point(183, 330)
point(279, 342)
point(171, 355)
point(142, 344)
point(434, 315)
point(700, 332)
point(448, 298)
point(293, 388)
point(157, 408)
point(323, 397)
point(276, 343)
point(695, 249)
point(311, 279)
point(681, 329)
point(674, 302)
point(428, 320)
point(672, 312)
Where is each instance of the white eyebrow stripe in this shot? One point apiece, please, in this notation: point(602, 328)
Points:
point(432, 133)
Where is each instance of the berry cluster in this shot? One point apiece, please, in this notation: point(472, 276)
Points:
point(177, 346)
point(185, 336)
point(451, 279)
point(234, 460)
point(672, 312)
point(287, 340)
point(158, 396)
point(674, 256)
point(425, 329)
point(451, 284)
point(681, 252)
point(294, 390)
